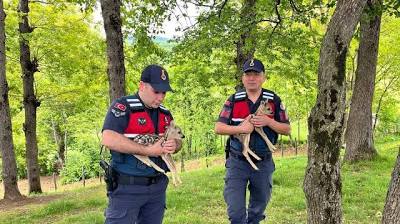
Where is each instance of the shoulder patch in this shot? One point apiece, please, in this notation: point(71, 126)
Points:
point(120, 106)
point(117, 112)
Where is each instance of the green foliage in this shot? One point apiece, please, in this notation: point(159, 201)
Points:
point(72, 82)
point(77, 166)
point(387, 81)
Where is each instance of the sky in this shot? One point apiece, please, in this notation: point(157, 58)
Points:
point(168, 26)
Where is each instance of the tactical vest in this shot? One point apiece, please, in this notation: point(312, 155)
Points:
point(241, 110)
point(140, 123)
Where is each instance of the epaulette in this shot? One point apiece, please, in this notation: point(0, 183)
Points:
point(134, 103)
point(240, 95)
point(267, 95)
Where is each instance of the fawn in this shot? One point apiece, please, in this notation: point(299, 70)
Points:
point(263, 109)
point(172, 132)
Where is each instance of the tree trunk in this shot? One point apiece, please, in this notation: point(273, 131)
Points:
point(391, 212)
point(359, 132)
point(9, 164)
point(245, 46)
point(322, 184)
point(110, 10)
point(59, 139)
point(29, 67)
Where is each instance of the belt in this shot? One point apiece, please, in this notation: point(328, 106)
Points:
point(138, 180)
point(267, 156)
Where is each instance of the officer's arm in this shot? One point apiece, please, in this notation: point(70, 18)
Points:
point(225, 129)
point(118, 142)
point(278, 127)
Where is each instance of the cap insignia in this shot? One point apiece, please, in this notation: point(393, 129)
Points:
point(251, 62)
point(163, 76)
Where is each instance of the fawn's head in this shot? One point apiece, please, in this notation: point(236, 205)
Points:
point(264, 108)
point(173, 131)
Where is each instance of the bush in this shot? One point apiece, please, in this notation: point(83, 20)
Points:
point(76, 161)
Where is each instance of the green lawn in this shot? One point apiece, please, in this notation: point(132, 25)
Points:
point(199, 199)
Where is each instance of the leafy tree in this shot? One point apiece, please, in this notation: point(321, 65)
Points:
point(29, 67)
point(70, 85)
point(8, 165)
point(322, 185)
point(359, 133)
point(246, 44)
point(115, 50)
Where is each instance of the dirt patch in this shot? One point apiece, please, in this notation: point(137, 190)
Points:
point(6, 205)
point(47, 184)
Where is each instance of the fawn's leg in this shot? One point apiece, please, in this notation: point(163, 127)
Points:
point(266, 139)
point(146, 160)
point(171, 166)
point(246, 149)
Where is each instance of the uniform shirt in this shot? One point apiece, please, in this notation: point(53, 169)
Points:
point(280, 115)
point(117, 118)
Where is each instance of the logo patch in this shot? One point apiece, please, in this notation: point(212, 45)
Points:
point(226, 113)
point(141, 121)
point(120, 106)
point(117, 113)
point(282, 106)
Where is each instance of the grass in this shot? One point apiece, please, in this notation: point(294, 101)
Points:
point(200, 200)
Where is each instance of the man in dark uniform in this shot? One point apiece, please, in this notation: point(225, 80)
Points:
point(235, 118)
point(138, 194)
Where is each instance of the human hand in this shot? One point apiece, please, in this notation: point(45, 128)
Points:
point(156, 149)
point(169, 146)
point(260, 120)
point(246, 127)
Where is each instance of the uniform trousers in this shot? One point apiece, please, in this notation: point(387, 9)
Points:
point(137, 204)
point(241, 175)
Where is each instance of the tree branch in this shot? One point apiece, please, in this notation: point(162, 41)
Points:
point(393, 80)
point(278, 22)
point(294, 7)
point(196, 3)
point(42, 2)
point(222, 7)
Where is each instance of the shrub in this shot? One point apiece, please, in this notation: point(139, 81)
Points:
point(75, 163)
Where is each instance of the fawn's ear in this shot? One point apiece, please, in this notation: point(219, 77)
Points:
point(172, 123)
